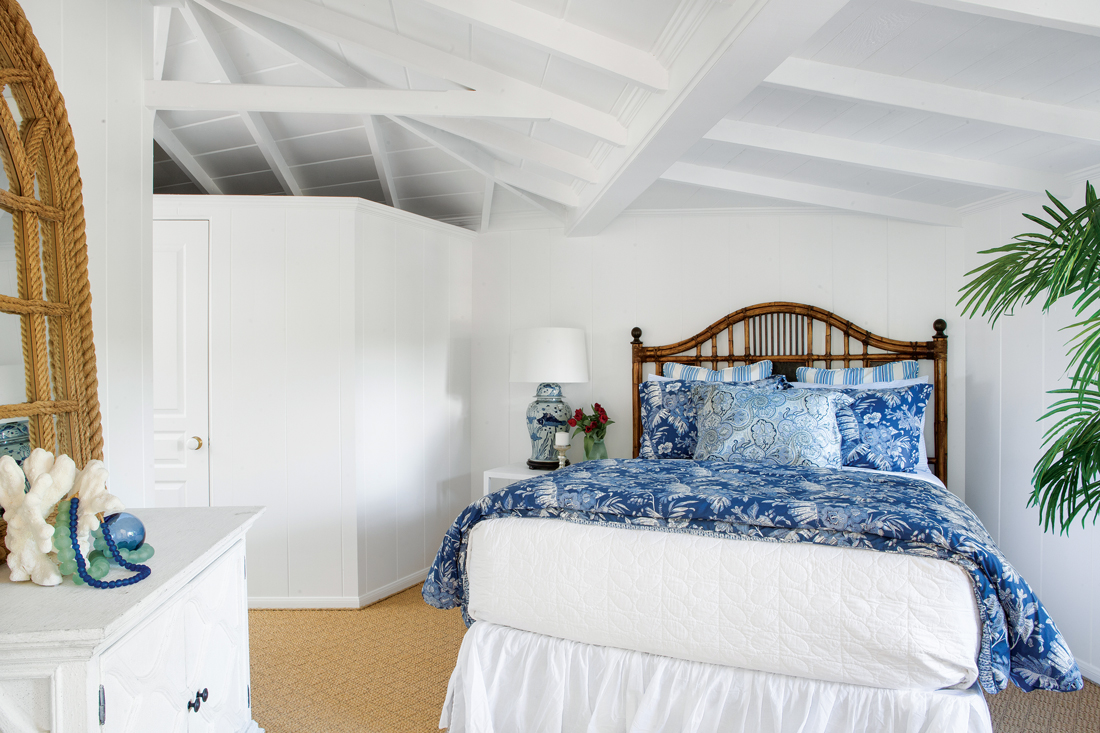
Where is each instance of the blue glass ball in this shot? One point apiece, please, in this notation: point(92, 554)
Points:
point(126, 530)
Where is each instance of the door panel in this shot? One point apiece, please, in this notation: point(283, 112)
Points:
point(180, 363)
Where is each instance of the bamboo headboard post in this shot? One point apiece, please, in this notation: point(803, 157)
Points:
point(635, 345)
point(939, 388)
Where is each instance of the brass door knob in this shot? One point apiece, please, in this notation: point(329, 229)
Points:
point(194, 442)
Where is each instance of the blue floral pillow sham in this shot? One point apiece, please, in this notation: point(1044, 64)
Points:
point(794, 427)
point(668, 416)
point(881, 429)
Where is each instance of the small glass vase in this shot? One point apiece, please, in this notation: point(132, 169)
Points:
point(594, 449)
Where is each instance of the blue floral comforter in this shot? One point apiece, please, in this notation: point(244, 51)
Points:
point(751, 501)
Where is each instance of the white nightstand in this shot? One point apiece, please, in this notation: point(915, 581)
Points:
point(512, 472)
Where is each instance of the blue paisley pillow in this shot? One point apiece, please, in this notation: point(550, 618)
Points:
point(668, 416)
point(881, 429)
point(795, 427)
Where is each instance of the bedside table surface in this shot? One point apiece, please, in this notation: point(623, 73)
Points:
point(513, 470)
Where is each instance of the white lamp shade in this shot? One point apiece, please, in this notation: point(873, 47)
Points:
point(549, 355)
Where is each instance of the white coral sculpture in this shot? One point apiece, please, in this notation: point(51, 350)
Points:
point(29, 536)
point(91, 487)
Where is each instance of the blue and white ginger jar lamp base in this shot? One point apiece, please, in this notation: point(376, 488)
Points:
point(545, 416)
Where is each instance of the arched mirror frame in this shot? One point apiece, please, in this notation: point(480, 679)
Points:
point(51, 255)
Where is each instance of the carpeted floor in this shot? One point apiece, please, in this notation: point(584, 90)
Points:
point(384, 669)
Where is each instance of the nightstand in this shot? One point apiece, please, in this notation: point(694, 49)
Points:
point(512, 472)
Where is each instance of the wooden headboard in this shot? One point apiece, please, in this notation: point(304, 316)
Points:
point(794, 335)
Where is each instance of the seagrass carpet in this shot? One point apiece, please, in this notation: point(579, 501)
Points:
point(384, 669)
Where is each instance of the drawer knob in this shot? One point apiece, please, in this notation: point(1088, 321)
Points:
point(200, 698)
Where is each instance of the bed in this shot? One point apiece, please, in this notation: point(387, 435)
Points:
point(707, 595)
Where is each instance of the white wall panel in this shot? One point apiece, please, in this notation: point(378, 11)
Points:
point(673, 274)
point(335, 327)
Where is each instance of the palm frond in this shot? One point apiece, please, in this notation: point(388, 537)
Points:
point(1067, 477)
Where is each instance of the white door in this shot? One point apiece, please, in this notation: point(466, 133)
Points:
point(181, 287)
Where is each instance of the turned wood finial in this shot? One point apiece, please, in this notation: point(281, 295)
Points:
point(637, 334)
point(940, 325)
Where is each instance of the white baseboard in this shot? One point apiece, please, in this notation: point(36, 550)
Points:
point(303, 602)
point(320, 602)
point(395, 587)
point(1091, 671)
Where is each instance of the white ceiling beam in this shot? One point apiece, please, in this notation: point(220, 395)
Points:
point(162, 19)
point(309, 54)
point(887, 157)
point(183, 158)
point(199, 22)
point(516, 143)
point(486, 205)
point(868, 86)
point(377, 142)
point(186, 95)
point(561, 38)
point(434, 62)
point(288, 40)
point(1076, 16)
point(762, 35)
point(807, 193)
point(542, 192)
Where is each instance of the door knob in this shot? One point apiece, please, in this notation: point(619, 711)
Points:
point(200, 698)
point(194, 442)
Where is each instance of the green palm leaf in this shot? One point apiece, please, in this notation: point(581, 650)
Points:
point(1063, 260)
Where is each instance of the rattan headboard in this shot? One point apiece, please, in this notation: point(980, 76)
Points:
point(794, 335)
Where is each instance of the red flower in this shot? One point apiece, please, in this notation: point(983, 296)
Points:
point(598, 408)
point(603, 417)
point(578, 415)
point(572, 423)
point(589, 427)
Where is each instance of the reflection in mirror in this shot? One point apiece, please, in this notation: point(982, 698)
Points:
point(14, 439)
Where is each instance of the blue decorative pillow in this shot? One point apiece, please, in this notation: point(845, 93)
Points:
point(882, 373)
point(668, 416)
point(881, 429)
point(746, 373)
point(794, 427)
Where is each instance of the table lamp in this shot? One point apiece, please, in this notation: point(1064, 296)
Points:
point(548, 356)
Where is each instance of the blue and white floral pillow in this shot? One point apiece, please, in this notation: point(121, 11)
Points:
point(881, 429)
point(745, 373)
point(668, 416)
point(795, 427)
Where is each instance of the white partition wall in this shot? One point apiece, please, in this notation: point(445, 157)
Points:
point(339, 389)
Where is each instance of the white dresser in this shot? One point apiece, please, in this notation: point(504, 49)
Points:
point(79, 659)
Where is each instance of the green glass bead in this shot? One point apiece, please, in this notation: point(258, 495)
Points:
point(66, 553)
point(77, 580)
point(68, 567)
point(99, 568)
point(139, 555)
point(101, 544)
point(60, 542)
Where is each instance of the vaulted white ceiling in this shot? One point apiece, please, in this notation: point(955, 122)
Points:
point(462, 110)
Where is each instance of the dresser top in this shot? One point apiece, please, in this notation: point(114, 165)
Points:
point(185, 541)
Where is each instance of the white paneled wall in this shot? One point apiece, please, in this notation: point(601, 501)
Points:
point(674, 274)
point(1008, 372)
point(339, 389)
point(101, 51)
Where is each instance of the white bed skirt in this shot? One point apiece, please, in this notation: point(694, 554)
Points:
point(508, 680)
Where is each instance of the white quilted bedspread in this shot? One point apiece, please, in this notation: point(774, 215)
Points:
point(812, 611)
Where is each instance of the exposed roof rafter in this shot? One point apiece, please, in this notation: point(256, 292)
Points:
point(561, 38)
point(1076, 16)
point(162, 18)
point(544, 193)
point(440, 64)
point(887, 157)
point(182, 157)
point(207, 35)
point(895, 91)
point(807, 193)
point(377, 142)
point(761, 37)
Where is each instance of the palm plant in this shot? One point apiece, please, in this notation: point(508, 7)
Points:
point(1062, 260)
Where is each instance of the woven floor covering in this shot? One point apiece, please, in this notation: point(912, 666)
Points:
point(384, 669)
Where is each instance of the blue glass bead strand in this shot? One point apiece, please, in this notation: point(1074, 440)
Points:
point(143, 571)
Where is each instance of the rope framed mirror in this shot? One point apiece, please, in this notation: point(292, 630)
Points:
point(49, 292)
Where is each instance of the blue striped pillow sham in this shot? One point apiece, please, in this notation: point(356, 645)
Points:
point(856, 375)
point(746, 373)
